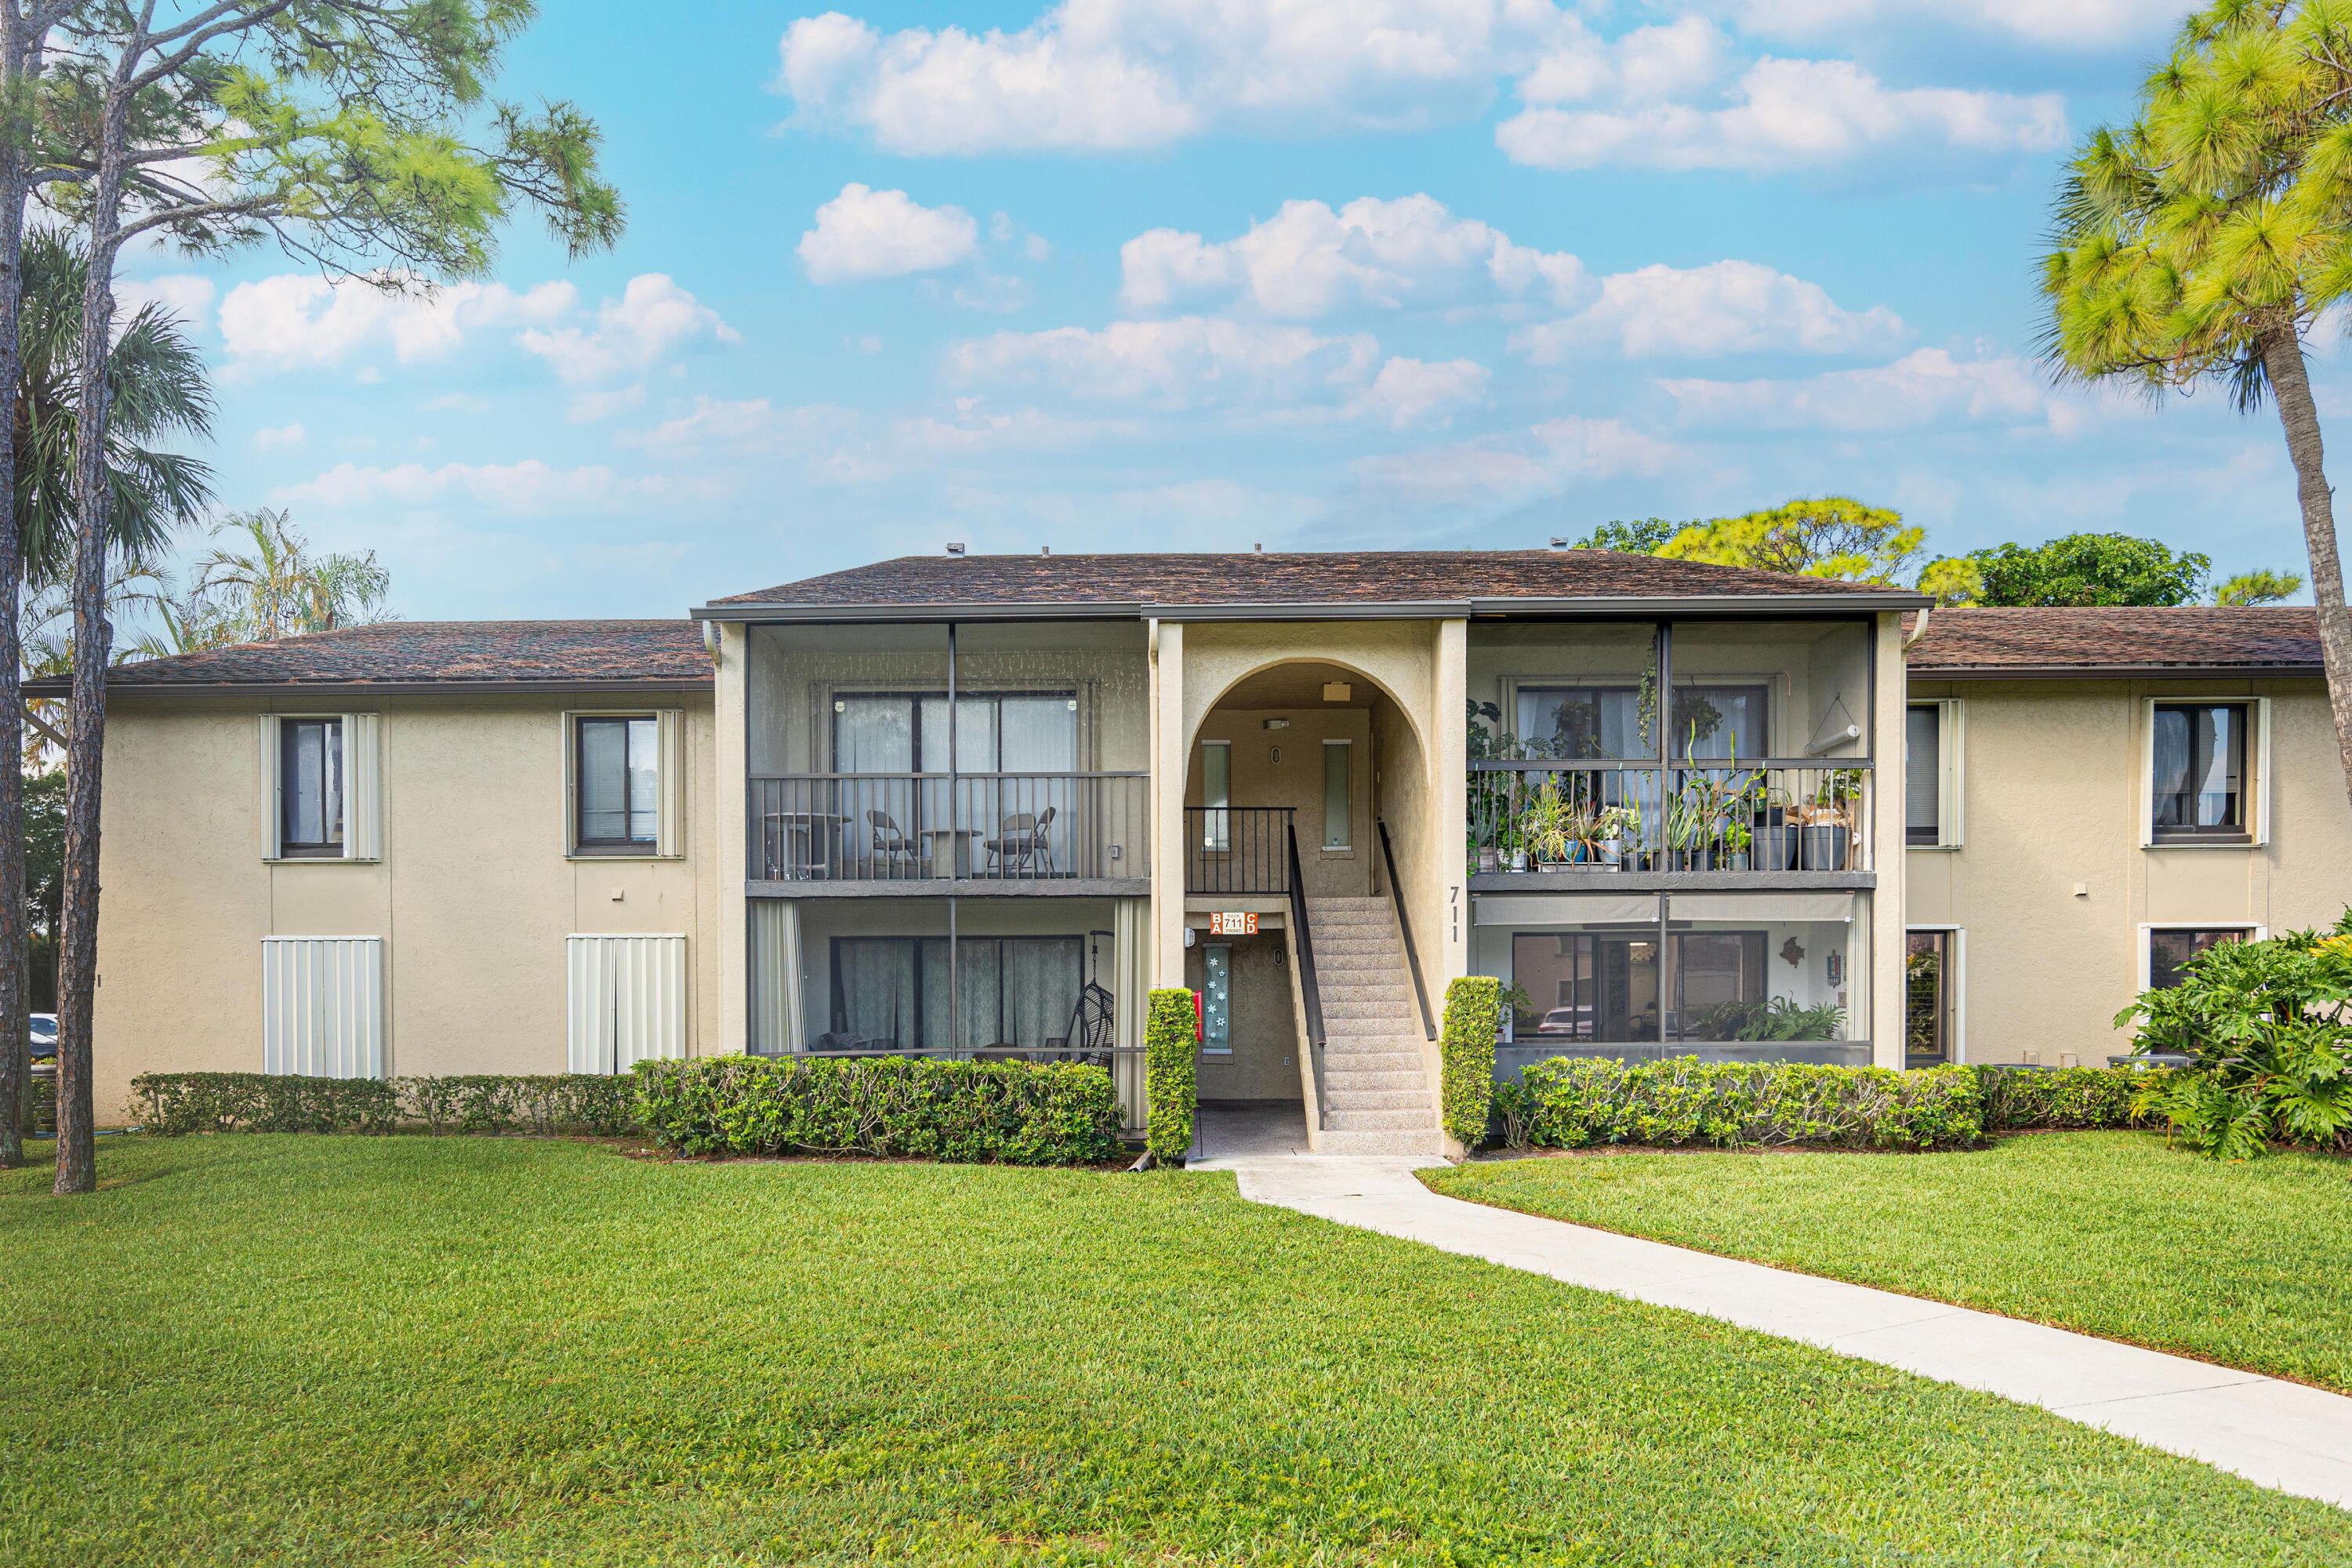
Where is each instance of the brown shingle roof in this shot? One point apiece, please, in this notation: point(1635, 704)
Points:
point(1346, 577)
point(555, 654)
point(2121, 640)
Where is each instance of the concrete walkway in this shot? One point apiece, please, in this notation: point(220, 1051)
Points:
point(2277, 1434)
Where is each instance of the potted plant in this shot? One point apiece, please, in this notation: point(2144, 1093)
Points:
point(1544, 826)
point(1826, 821)
point(1736, 835)
point(1609, 834)
point(1689, 822)
point(1775, 837)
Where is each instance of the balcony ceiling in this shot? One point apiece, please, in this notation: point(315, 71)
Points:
point(1296, 687)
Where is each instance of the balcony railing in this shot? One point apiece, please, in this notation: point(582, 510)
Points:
point(1774, 815)
point(1238, 849)
point(892, 827)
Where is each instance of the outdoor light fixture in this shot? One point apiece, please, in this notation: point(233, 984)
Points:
point(1337, 692)
point(1275, 723)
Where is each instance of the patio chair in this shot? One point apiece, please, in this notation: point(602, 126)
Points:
point(1021, 845)
point(895, 851)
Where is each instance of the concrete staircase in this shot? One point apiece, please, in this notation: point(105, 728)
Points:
point(1376, 1094)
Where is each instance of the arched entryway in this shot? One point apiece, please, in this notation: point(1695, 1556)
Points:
point(1293, 773)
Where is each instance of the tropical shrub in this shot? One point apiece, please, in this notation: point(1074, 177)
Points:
point(2019, 1099)
point(1473, 1017)
point(2268, 1032)
point(1170, 1075)
point(1015, 1114)
point(1575, 1102)
point(172, 1104)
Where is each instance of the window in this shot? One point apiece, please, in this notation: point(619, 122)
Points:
point(310, 788)
point(2197, 773)
point(1718, 982)
point(1587, 985)
point(1927, 998)
point(619, 785)
point(321, 790)
point(1217, 1000)
point(1709, 721)
point(995, 733)
point(2169, 947)
point(1931, 774)
point(896, 993)
point(1339, 794)
point(1216, 795)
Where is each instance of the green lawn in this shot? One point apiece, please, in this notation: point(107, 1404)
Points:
point(340, 1351)
point(2110, 1233)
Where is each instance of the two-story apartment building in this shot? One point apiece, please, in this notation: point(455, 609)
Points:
point(980, 804)
point(2096, 795)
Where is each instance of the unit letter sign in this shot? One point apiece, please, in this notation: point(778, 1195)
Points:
point(1232, 923)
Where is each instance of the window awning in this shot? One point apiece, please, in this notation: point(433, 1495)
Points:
point(1779, 908)
point(1565, 910)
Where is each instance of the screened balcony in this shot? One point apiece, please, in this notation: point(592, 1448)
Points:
point(1759, 765)
point(929, 758)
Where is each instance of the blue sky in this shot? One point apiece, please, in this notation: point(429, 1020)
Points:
point(1200, 274)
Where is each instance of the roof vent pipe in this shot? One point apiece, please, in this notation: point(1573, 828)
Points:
point(955, 549)
point(1559, 542)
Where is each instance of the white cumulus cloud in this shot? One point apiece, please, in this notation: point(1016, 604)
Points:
point(184, 295)
point(526, 489)
point(1308, 262)
point(1410, 392)
point(1927, 386)
point(1187, 362)
point(1729, 307)
point(864, 234)
point(2066, 24)
point(279, 437)
point(1515, 469)
point(1097, 75)
point(1780, 114)
point(653, 318)
point(298, 320)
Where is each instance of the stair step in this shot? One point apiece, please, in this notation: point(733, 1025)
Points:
point(1421, 1120)
point(1337, 1098)
point(1353, 1078)
point(1379, 1056)
point(1350, 920)
point(1357, 957)
point(1346, 901)
point(1330, 946)
point(1334, 1143)
point(1382, 1002)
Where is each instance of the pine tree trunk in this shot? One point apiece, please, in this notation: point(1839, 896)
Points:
point(2291, 386)
point(20, 67)
point(93, 640)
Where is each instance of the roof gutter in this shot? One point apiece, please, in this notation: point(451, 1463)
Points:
point(1584, 606)
point(59, 687)
point(2117, 671)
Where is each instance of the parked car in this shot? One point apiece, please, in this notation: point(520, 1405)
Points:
point(45, 1037)
point(1574, 1021)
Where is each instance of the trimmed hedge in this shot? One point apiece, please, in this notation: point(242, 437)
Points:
point(1465, 1045)
point(2069, 1096)
point(1574, 1102)
point(1014, 1113)
point(172, 1104)
point(1170, 1075)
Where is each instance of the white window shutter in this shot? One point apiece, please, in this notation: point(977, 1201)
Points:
point(669, 831)
point(624, 1001)
point(272, 785)
point(2259, 755)
point(362, 787)
point(569, 734)
point(323, 1006)
point(1951, 758)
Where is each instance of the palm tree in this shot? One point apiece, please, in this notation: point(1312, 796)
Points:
point(156, 379)
point(156, 389)
point(274, 587)
point(2202, 241)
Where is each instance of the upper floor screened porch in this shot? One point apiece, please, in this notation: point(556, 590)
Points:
point(1671, 753)
point(929, 757)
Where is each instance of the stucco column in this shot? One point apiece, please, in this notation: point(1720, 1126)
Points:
point(730, 801)
point(1171, 757)
point(1448, 896)
point(1888, 853)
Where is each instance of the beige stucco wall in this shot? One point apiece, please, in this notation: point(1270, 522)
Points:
point(1285, 768)
point(473, 896)
point(2053, 786)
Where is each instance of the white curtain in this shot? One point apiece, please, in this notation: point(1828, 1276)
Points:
point(777, 1026)
point(1132, 935)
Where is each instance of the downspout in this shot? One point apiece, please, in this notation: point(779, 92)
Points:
point(1918, 628)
